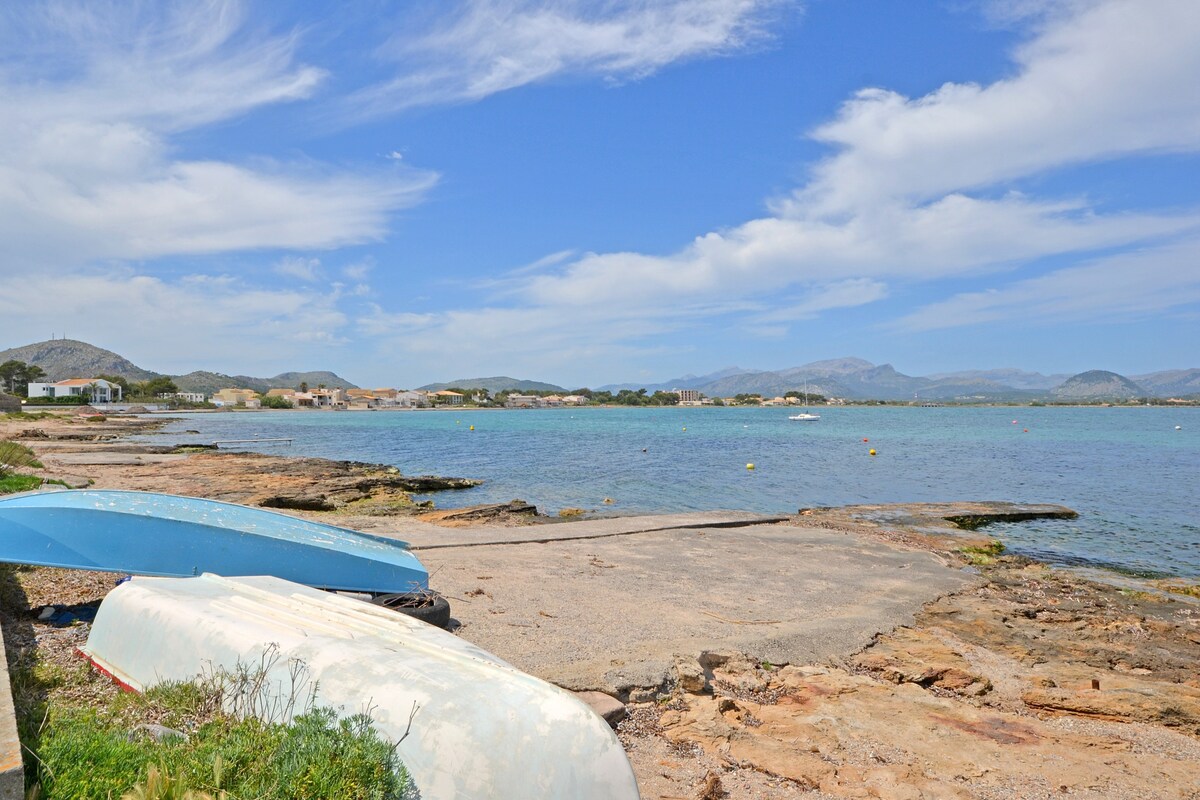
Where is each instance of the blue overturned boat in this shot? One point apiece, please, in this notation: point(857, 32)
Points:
point(146, 533)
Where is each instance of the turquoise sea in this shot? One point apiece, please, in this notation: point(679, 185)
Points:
point(1133, 477)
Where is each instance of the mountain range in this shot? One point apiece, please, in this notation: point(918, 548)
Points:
point(500, 383)
point(857, 379)
point(67, 358)
point(851, 378)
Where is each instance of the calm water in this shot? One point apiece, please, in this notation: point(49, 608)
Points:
point(1134, 479)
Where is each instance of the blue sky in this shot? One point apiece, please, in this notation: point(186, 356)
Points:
point(587, 193)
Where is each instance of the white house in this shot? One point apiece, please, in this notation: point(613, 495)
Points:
point(412, 399)
point(96, 390)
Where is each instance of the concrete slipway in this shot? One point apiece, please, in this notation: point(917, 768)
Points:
point(613, 604)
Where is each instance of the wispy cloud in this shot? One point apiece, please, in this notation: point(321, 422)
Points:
point(484, 47)
point(1121, 287)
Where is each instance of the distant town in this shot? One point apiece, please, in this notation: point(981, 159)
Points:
point(114, 389)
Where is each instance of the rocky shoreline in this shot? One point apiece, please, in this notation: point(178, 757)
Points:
point(1029, 682)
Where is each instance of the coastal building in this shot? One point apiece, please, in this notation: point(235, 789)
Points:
point(552, 401)
point(687, 395)
point(187, 397)
point(523, 401)
point(236, 397)
point(575, 400)
point(322, 398)
point(384, 397)
point(447, 398)
point(96, 390)
point(412, 399)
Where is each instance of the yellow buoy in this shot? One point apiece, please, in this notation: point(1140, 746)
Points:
point(685, 427)
point(872, 452)
point(472, 427)
point(749, 466)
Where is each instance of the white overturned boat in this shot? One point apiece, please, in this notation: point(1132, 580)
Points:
point(481, 728)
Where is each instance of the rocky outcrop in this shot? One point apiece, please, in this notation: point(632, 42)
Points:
point(513, 511)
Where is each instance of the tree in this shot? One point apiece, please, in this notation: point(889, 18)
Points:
point(275, 401)
point(157, 386)
point(303, 387)
point(17, 375)
point(9, 371)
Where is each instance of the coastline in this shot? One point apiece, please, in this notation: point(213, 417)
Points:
point(1006, 661)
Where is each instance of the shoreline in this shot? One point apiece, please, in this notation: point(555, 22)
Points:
point(1006, 661)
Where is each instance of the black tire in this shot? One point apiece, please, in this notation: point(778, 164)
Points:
point(433, 609)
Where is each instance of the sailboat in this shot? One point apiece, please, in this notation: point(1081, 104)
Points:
point(805, 415)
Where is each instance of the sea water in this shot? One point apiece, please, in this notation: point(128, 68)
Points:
point(1132, 476)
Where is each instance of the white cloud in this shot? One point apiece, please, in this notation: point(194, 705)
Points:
point(1124, 286)
point(917, 191)
point(490, 46)
point(89, 166)
point(245, 328)
point(302, 269)
point(1104, 83)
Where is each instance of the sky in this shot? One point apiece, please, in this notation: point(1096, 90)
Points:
point(596, 192)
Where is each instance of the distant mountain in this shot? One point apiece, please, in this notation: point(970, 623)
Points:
point(1097, 384)
point(63, 359)
point(68, 358)
point(683, 382)
point(500, 383)
point(1171, 382)
point(209, 382)
point(1014, 378)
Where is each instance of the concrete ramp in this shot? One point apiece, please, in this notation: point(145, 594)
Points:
point(614, 612)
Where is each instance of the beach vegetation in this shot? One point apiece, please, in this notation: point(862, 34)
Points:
point(980, 555)
point(1188, 590)
point(195, 741)
point(25, 416)
point(275, 401)
point(9, 484)
point(14, 456)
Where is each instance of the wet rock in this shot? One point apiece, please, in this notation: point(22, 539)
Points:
point(495, 511)
point(298, 502)
point(431, 483)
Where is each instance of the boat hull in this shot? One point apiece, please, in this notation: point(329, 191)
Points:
point(146, 533)
point(467, 725)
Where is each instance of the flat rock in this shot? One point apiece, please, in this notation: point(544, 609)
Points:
point(607, 706)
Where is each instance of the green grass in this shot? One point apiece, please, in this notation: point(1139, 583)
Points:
point(13, 454)
point(90, 753)
point(19, 483)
